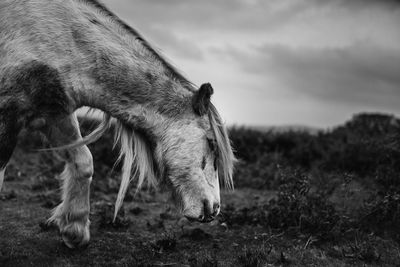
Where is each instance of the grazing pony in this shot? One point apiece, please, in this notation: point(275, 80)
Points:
point(59, 55)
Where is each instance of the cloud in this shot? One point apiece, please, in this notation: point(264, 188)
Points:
point(178, 46)
point(231, 15)
point(357, 4)
point(357, 74)
point(190, 26)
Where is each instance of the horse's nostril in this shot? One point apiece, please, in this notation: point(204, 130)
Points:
point(215, 209)
point(207, 208)
point(216, 206)
point(210, 211)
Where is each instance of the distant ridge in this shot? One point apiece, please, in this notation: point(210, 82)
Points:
point(287, 128)
point(363, 120)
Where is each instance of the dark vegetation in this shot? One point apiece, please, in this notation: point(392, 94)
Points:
point(325, 199)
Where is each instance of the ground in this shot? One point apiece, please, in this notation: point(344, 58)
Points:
point(149, 231)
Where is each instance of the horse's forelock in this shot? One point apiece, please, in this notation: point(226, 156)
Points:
point(226, 159)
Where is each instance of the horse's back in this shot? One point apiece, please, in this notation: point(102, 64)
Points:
point(34, 29)
point(35, 44)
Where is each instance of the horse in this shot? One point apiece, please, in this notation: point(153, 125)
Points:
point(57, 56)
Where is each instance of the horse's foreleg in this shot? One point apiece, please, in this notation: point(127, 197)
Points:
point(72, 215)
point(8, 139)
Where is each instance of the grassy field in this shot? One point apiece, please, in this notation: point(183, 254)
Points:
point(330, 198)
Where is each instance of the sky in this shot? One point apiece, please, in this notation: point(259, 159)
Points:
point(280, 62)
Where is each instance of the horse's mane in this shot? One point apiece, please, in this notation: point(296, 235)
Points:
point(226, 159)
point(173, 72)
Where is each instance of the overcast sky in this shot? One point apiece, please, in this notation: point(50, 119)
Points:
point(281, 62)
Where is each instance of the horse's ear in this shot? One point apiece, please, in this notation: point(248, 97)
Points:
point(201, 99)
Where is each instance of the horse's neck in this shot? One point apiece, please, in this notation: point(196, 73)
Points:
point(122, 78)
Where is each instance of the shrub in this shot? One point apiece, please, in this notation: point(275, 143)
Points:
point(299, 208)
point(382, 215)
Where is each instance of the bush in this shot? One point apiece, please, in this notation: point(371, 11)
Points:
point(382, 215)
point(296, 208)
point(299, 208)
point(368, 147)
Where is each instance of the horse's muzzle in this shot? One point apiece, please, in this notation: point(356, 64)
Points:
point(209, 213)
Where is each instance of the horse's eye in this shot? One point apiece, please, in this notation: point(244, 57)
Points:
point(211, 144)
point(203, 163)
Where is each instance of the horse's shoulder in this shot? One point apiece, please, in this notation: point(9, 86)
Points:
point(35, 86)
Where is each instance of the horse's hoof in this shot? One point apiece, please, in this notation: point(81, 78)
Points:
point(76, 234)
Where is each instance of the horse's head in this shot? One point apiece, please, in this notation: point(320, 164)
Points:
point(189, 151)
point(198, 158)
